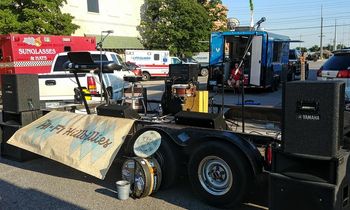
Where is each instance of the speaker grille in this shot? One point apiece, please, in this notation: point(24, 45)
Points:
point(20, 92)
point(313, 117)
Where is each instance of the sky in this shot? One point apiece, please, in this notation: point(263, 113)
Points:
point(298, 19)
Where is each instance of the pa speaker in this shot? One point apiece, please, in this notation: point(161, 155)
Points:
point(310, 168)
point(289, 194)
point(20, 92)
point(199, 119)
point(313, 117)
point(115, 110)
point(10, 151)
point(22, 118)
point(183, 73)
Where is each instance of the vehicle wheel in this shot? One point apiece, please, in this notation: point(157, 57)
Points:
point(146, 76)
point(167, 157)
point(204, 72)
point(219, 174)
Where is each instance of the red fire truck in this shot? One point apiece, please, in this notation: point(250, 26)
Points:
point(29, 53)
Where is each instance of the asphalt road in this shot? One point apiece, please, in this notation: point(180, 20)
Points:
point(46, 184)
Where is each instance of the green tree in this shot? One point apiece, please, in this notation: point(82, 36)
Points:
point(314, 48)
point(217, 14)
point(302, 49)
point(35, 17)
point(176, 25)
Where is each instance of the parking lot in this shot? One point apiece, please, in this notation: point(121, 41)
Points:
point(46, 184)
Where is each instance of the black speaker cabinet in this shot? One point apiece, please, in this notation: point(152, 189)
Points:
point(183, 73)
point(22, 118)
point(311, 168)
point(10, 151)
point(198, 119)
point(313, 117)
point(115, 110)
point(20, 92)
point(287, 193)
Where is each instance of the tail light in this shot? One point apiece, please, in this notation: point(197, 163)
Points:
point(268, 155)
point(343, 74)
point(137, 72)
point(91, 83)
point(319, 72)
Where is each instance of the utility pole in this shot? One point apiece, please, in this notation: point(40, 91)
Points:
point(321, 38)
point(335, 36)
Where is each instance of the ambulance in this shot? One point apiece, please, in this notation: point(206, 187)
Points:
point(153, 63)
point(34, 54)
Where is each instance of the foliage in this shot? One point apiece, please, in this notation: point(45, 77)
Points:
point(314, 48)
point(217, 14)
point(302, 49)
point(176, 25)
point(35, 17)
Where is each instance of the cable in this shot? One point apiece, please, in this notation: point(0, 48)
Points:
point(309, 27)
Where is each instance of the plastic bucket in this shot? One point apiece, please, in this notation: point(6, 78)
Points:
point(123, 189)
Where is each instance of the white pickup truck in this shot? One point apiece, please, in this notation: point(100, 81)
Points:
point(58, 85)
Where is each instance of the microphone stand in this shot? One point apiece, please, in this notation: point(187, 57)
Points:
point(242, 76)
point(103, 87)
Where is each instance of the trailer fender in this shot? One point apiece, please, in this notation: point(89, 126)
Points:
point(186, 138)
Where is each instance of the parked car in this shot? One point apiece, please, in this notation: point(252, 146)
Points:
point(203, 69)
point(337, 67)
point(294, 64)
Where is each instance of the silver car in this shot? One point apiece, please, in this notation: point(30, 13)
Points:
point(337, 67)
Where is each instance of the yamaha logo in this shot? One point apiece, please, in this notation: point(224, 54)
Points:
point(308, 117)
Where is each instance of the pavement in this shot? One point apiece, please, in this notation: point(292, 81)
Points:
point(46, 184)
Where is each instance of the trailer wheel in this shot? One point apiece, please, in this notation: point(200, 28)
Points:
point(168, 159)
point(219, 174)
point(204, 72)
point(146, 76)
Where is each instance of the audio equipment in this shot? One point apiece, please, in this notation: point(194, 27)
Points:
point(10, 151)
point(309, 167)
point(22, 118)
point(183, 73)
point(313, 117)
point(199, 119)
point(20, 92)
point(115, 110)
point(289, 194)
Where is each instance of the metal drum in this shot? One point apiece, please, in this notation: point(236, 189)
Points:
point(183, 90)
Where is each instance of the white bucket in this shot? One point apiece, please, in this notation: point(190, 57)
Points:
point(123, 189)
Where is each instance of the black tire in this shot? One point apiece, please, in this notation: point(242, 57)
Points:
point(226, 160)
point(146, 76)
point(168, 159)
point(204, 72)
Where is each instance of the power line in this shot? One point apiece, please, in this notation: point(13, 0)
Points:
point(308, 27)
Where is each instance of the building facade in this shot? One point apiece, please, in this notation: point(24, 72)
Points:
point(96, 16)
